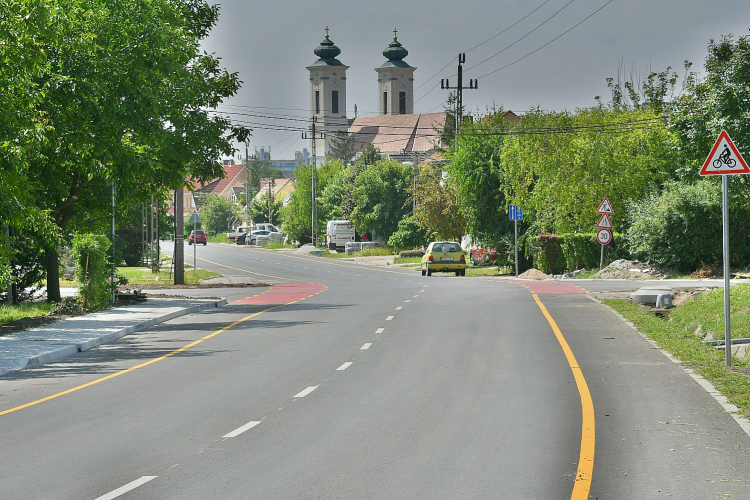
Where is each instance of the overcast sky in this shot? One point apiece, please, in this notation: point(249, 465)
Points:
point(269, 43)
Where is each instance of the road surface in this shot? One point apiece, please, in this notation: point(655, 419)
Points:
point(357, 382)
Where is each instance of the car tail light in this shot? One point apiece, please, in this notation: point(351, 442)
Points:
point(430, 258)
point(463, 258)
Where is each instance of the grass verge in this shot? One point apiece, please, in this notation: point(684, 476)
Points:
point(682, 332)
point(142, 276)
point(10, 313)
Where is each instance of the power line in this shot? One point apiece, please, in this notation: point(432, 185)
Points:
point(551, 41)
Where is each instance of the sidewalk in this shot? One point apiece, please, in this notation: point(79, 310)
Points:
point(48, 343)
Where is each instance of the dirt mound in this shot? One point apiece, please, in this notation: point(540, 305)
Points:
point(630, 270)
point(534, 274)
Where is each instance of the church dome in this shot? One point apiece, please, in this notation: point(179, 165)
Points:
point(327, 52)
point(395, 53)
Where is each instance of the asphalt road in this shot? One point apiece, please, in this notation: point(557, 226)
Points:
point(348, 381)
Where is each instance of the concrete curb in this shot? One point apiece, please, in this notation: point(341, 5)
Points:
point(66, 350)
point(733, 411)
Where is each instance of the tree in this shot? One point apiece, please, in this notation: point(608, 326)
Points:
point(23, 24)
point(298, 214)
point(719, 101)
point(259, 209)
point(218, 214)
point(342, 147)
point(381, 197)
point(476, 174)
point(126, 94)
point(369, 155)
point(437, 204)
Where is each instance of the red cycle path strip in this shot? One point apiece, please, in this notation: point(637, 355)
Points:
point(284, 293)
point(549, 286)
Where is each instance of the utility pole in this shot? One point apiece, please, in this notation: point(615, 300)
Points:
point(271, 184)
point(247, 184)
point(314, 178)
point(473, 85)
point(179, 236)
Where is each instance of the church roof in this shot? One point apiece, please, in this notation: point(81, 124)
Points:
point(416, 133)
point(395, 53)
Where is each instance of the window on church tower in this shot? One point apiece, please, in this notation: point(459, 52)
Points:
point(317, 102)
point(335, 102)
point(385, 103)
point(402, 103)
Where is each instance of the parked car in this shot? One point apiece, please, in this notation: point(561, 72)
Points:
point(274, 234)
point(482, 255)
point(444, 256)
point(197, 236)
point(257, 237)
point(240, 238)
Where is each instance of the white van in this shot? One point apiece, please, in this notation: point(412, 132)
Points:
point(338, 233)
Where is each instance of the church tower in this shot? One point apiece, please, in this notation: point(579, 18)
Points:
point(395, 81)
point(327, 94)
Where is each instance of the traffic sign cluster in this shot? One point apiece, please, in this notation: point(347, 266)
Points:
point(604, 235)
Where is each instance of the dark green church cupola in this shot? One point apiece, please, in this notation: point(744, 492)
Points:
point(327, 52)
point(395, 53)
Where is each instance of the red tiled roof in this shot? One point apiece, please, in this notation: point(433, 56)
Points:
point(398, 133)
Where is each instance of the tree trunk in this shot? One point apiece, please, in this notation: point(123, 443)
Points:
point(53, 275)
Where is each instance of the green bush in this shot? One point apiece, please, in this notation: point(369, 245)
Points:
point(91, 254)
point(410, 253)
point(582, 250)
point(548, 254)
point(410, 234)
point(681, 227)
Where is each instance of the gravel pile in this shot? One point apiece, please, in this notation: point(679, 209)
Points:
point(629, 270)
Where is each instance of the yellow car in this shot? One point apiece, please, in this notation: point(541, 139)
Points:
point(444, 256)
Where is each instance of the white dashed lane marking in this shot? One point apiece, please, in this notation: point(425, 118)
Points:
point(398, 308)
point(344, 366)
point(365, 347)
point(389, 318)
point(380, 330)
point(306, 392)
point(240, 430)
point(128, 487)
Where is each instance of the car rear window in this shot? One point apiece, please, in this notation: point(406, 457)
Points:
point(447, 247)
point(200, 233)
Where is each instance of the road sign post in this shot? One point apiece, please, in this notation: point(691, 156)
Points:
point(722, 160)
point(515, 214)
point(195, 219)
point(604, 235)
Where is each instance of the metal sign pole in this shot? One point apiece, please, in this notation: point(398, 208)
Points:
point(195, 244)
point(725, 223)
point(515, 227)
point(601, 259)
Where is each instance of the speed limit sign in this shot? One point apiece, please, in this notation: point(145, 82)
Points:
point(604, 236)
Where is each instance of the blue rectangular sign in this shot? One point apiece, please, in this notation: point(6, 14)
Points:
point(515, 212)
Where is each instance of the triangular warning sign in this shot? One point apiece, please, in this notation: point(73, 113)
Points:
point(604, 222)
point(605, 207)
point(724, 158)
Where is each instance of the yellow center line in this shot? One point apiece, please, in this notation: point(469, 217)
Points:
point(585, 471)
point(152, 361)
point(249, 272)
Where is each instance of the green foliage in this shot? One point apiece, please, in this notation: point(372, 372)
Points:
point(477, 175)
point(259, 209)
point(342, 147)
point(381, 197)
point(583, 251)
point(682, 228)
point(126, 94)
point(92, 265)
point(560, 178)
point(218, 214)
point(548, 254)
point(405, 254)
point(297, 215)
point(337, 198)
point(410, 234)
point(437, 204)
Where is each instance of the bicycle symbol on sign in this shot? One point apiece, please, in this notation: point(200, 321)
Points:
point(725, 158)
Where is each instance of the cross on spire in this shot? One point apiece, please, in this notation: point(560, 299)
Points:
point(395, 32)
point(326, 32)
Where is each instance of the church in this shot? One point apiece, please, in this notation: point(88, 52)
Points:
point(396, 131)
